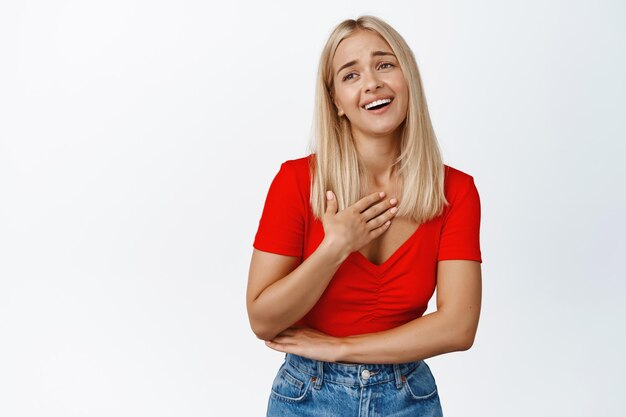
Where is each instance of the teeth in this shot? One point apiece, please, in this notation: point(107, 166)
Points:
point(377, 103)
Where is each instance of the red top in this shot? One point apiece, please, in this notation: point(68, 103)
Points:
point(364, 297)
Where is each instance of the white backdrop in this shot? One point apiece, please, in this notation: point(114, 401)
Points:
point(138, 140)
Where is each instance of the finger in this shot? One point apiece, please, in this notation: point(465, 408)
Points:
point(367, 201)
point(285, 348)
point(380, 230)
point(276, 346)
point(331, 203)
point(379, 208)
point(287, 332)
point(382, 218)
point(284, 340)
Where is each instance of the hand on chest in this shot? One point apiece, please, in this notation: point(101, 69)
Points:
point(383, 247)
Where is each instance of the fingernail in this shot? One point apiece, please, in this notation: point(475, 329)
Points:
point(381, 194)
point(394, 209)
point(393, 201)
point(329, 195)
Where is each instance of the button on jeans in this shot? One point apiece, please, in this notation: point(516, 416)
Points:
point(306, 387)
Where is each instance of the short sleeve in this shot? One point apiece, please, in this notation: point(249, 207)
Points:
point(460, 234)
point(281, 228)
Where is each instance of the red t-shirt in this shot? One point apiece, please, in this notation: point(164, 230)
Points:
point(363, 297)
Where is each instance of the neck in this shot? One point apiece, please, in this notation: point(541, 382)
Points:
point(377, 156)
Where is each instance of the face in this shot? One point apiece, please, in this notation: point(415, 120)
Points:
point(369, 86)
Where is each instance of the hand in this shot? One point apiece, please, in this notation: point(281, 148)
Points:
point(357, 225)
point(307, 342)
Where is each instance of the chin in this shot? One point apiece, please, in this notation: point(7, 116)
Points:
point(386, 132)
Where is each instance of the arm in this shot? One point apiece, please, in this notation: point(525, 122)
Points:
point(280, 291)
point(459, 285)
point(451, 328)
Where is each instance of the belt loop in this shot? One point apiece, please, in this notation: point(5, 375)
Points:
point(320, 374)
point(398, 375)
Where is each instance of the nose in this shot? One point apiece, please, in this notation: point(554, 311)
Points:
point(371, 81)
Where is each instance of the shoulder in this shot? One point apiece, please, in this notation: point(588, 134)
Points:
point(457, 182)
point(454, 176)
point(298, 170)
point(299, 165)
point(294, 176)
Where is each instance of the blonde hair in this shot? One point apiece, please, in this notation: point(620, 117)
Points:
point(336, 163)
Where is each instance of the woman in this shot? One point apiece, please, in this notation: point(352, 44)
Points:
point(354, 238)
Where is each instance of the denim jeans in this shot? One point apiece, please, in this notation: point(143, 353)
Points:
point(306, 387)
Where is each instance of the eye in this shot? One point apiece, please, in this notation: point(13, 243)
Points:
point(348, 76)
point(385, 65)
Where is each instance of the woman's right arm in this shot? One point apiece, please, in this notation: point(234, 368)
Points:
point(281, 291)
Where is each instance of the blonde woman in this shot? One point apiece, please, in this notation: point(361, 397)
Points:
point(354, 238)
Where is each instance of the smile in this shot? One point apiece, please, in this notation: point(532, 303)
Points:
point(374, 105)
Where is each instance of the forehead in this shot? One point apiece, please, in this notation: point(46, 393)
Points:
point(359, 46)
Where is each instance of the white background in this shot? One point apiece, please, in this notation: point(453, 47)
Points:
point(137, 143)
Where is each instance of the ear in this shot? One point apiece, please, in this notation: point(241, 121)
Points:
point(340, 111)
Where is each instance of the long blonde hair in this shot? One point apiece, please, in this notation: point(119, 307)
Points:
point(336, 163)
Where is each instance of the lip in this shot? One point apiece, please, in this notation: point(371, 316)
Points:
point(378, 111)
point(375, 99)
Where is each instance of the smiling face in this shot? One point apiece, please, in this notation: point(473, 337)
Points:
point(368, 86)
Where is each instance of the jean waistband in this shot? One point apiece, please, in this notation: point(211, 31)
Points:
point(358, 374)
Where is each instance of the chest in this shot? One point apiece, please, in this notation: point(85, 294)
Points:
point(385, 284)
point(383, 247)
point(403, 239)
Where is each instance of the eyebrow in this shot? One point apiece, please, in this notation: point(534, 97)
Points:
point(375, 53)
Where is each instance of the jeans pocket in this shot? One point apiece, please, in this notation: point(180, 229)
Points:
point(290, 384)
point(420, 383)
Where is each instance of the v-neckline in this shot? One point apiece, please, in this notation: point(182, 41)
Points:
point(358, 256)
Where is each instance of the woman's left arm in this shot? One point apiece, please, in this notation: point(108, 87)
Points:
point(451, 328)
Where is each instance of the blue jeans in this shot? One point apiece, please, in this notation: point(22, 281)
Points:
point(306, 387)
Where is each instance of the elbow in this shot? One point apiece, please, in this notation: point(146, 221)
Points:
point(460, 331)
point(257, 325)
point(262, 325)
point(262, 332)
point(258, 329)
point(465, 339)
point(262, 329)
point(465, 344)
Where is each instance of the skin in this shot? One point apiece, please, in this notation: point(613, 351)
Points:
point(281, 291)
